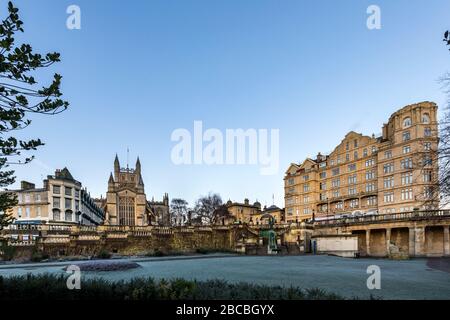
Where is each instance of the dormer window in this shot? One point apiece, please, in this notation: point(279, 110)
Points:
point(407, 122)
point(425, 118)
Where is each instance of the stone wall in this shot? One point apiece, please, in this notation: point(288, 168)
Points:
point(77, 241)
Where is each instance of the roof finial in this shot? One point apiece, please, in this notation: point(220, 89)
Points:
point(128, 157)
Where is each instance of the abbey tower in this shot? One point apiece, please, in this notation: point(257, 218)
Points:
point(126, 202)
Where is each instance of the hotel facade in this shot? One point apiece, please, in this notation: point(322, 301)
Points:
point(61, 200)
point(396, 172)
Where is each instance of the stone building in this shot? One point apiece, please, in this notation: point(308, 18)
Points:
point(252, 213)
point(60, 201)
point(126, 202)
point(396, 172)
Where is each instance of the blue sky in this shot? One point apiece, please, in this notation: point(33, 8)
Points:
point(137, 70)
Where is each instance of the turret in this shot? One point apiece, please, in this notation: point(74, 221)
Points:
point(138, 166)
point(111, 182)
point(116, 167)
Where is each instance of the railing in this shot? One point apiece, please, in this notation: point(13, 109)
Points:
point(401, 216)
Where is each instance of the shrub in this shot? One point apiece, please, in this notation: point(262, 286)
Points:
point(7, 253)
point(47, 287)
point(103, 254)
point(38, 256)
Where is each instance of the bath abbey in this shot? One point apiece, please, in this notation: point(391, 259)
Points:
point(126, 203)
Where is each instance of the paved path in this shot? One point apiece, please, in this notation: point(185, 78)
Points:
point(408, 279)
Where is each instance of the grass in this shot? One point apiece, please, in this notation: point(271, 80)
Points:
point(51, 287)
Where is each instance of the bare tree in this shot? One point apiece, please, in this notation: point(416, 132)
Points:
point(179, 211)
point(206, 206)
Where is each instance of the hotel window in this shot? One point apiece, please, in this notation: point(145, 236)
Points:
point(38, 211)
point(335, 171)
point(322, 164)
point(27, 212)
point(427, 146)
point(27, 198)
point(323, 175)
point(19, 198)
point(37, 197)
point(365, 153)
point(352, 167)
point(56, 202)
point(306, 187)
point(427, 160)
point(332, 162)
point(407, 178)
point(291, 190)
point(354, 203)
point(68, 216)
point(336, 183)
point(371, 201)
point(19, 212)
point(77, 205)
point(388, 182)
point(370, 175)
point(347, 157)
point(388, 168)
point(425, 118)
point(374, 149)
point(77, 193)
point(339, 205)
point(406, 136)
point(56, 215)
point(388, 154)
point(356, 143)
point(290, 181)
point(388, 197)
point(289, 211)
point(347, 146)
point(355, 155)
point(406, 163)
point(427, 132)
point(370, 187)
point(307, 211)
point(406, 149)
point(67, 203)
point(56, 189)
point(323, 186)
point(289, 201)
point(370, 162)
point(407, 194)
point(352, 179)
point(336, 193)
point(428, 192)
point(306, 178)
point(427, 176)
point(407, 122)
point(306, 199)
point(352, 191)
point(323, 197)
point(338, 159)
point(68, 191)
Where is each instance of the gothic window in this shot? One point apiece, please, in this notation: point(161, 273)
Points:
point(126, 211)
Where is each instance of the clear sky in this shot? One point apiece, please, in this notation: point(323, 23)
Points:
point(137, 70)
